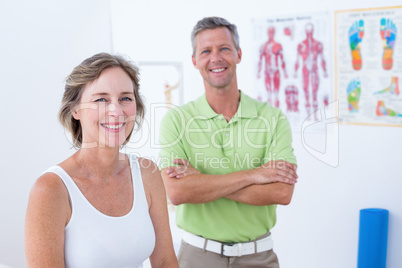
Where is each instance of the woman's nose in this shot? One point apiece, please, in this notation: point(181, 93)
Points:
point(115, 110)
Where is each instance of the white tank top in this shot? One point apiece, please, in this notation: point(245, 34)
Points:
point(95, 240)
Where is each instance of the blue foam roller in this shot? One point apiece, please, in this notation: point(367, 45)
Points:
point(373, 237)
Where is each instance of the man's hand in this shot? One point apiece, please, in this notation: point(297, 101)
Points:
point(275, 171)
point(184, 169)
point(255, 186)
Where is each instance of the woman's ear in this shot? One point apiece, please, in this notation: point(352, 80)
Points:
point(74, 113)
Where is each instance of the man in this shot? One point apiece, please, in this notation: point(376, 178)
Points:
point(271, 53)
point(234, 161)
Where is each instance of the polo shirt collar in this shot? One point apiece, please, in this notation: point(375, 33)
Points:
point(247, 108)
point(203, 108)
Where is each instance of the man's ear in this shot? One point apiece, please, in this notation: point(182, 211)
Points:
point(194, 61)
point(239, 54)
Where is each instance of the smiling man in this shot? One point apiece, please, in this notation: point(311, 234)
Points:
point(227, 161)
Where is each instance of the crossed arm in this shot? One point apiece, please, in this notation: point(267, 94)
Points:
point(271, 183)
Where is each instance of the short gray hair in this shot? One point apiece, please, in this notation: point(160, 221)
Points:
point(210, 23)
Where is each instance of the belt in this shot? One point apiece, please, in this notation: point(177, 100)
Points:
point(229, 250)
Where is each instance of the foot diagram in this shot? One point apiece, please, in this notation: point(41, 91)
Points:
point(354, 92)
point(356, 33)
point(393, 88)
point(382, 110)
point(388, 36)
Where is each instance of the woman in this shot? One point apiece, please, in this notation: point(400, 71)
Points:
point(99, 207)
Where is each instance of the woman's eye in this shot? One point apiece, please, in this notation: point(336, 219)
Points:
point(127, 99)
point(100, 100)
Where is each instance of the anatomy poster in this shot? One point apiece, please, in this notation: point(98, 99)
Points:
point(368, 69)
point(292, 57)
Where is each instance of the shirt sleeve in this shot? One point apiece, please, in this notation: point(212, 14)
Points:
point(281, 145)
point(171, 138)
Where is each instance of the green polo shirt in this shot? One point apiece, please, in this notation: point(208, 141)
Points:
point(256, 134)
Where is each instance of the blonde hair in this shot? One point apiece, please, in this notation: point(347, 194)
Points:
point(88, 71)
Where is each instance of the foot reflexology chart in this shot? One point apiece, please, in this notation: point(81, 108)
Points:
point(368, 53)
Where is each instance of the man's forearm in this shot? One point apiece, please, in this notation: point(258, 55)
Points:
point(185, 184)
point(266, 194)
point(203, 188)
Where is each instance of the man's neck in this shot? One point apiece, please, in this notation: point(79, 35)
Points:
point(225, 101)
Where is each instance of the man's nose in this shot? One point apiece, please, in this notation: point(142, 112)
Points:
point(216, 56)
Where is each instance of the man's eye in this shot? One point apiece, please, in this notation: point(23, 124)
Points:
point(100, 100)
point(205, 51)
point(225, 48)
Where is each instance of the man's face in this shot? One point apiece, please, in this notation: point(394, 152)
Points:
point(216, 58)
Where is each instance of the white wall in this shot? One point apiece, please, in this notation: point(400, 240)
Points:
point(320, 227)
point(41, 42)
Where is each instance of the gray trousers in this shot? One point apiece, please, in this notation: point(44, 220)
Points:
point(193, 257)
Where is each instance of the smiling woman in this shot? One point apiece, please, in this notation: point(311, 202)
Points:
point(87, 74)
point(107, 109)
point(99, 207)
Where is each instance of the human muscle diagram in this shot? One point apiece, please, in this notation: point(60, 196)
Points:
point(310, 53)
point(271, 58)
point(368, 55)
point(292, 55)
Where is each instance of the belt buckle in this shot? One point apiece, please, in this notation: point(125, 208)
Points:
point(222, 245)
point(238, 247)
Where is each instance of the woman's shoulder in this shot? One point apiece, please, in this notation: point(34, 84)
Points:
point(48, 199)
point(49, 186)
point(147, 164)
point(149, 171)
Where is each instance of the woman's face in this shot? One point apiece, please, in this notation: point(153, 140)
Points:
point(107, 109)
